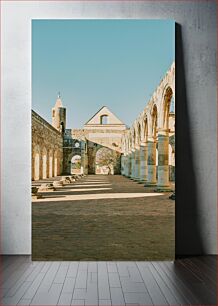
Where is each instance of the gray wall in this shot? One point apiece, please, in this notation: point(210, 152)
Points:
point(195, 108)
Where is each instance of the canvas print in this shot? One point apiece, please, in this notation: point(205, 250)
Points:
point(103, 140)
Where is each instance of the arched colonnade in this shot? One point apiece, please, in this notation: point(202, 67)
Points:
point(149, 145)
point(46, 162)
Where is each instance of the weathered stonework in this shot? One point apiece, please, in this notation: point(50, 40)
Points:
point(154, 129)
point(47, 149)
point(145, 152)
point(91, 138)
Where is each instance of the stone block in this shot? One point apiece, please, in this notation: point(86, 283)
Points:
point(34, 190)
point(46, 187)
point(58, 183)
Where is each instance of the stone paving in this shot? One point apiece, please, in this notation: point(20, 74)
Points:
point(103, 218)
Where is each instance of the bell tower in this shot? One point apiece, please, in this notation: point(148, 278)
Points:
point(59, 115)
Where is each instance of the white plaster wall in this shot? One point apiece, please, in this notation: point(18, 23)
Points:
point(198, 22)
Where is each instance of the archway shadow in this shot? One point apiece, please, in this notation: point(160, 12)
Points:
point(189, 240)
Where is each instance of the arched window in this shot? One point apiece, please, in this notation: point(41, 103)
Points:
point(104, 119)
point(167, 106)
point(62, 127)
point(172, 106)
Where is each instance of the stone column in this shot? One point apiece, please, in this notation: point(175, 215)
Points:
point(151, 179)
point(41, 166)
point(86, 162)
point(163, 160)
point(123, 157)
point(132, 165)
point(126, 165)
point(33, 165)
point(129, 165)
point(137, 164)
point(144, 162)
point(47, 165)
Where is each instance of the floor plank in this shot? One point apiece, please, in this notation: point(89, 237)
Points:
point(154, 290)
point(187, 281)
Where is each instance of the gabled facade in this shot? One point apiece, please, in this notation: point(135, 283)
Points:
point(103, 130)
point(104, 119)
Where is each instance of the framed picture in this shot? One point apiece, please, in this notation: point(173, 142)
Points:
point(103, 139)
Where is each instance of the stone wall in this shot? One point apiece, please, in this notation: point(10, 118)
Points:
point(92, 138)
point(47, 149)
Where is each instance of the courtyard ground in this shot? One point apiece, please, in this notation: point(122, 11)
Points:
point(103, 217)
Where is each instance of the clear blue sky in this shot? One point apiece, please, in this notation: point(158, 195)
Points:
point(117, 63)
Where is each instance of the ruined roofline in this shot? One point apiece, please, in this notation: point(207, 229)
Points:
point(95, 114)
point(150, 101)
point(109, 111)
point(107, 124)
point(46, 122)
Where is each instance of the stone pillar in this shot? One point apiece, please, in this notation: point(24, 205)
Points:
point(84, 158)
point(129, 163)
point(144, 162)
point(151, 179)
point(33, 166)
point(163, 160)
point(132, 165)
point(47, 166)
point(68, 168)
point(85, 164)
point(123, 164)
point(40, 166)
point(137, 164)
point(37, 166)
point(50, 165)
point(126, 161)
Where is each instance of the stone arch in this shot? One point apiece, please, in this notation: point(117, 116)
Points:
point(92, 151)
point(105, 161)
point(70, 167)
point(145, 128)
point(44, 163)
point(129, 141)
point(76, 167)
point(36, 162)
point(167, 98)
point(55, 163)
point(50, 163)
point(125, 144)
point(133, 138)
point(138, 134)
point(59, 162)
point(154, 121)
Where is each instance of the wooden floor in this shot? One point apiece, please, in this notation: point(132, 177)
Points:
point(189, 281)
